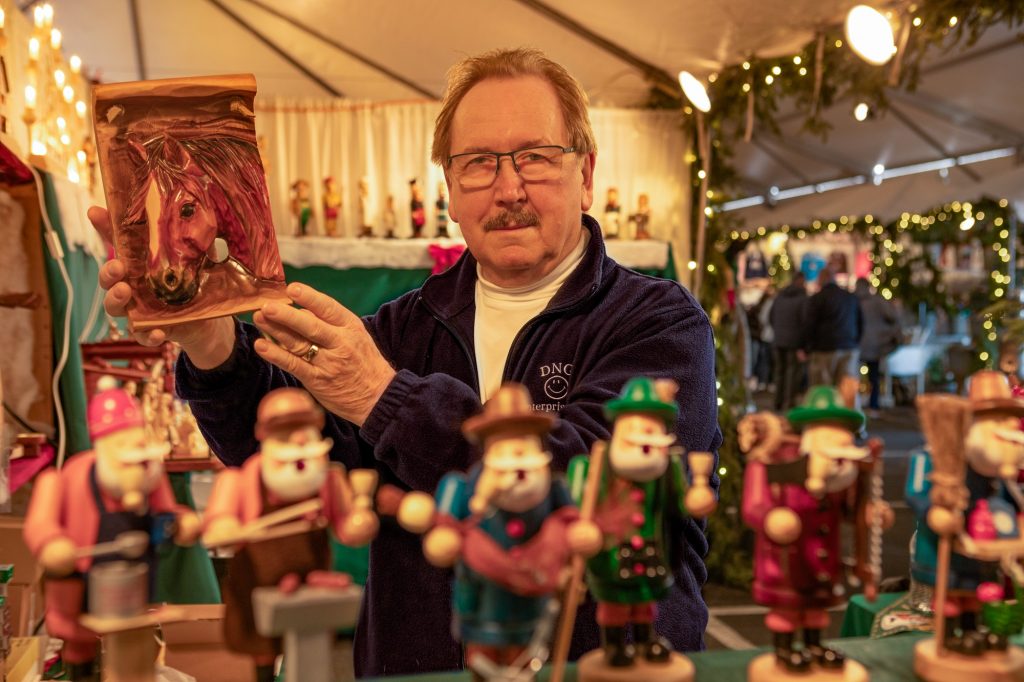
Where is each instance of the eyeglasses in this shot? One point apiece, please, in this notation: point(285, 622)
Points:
point(475, 170)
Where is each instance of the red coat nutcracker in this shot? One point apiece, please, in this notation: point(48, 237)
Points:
point(97, 497)
point(797, 491)
point(277, 506)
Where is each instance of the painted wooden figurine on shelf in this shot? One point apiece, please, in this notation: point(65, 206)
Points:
point(642, 218)
point(388, 219)
point(278, 507)
point(302, 208)
point(441, 211)
point(508, 528)
point(365, 221)
point(611, 224)
point(1009, 363)
point(417, 214)
point(963, 490)
point(98, 520)
point(797, 491)
point(332, 206)
point(638, 487)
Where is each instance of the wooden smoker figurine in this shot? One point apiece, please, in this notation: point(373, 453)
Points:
point(797, 489)
point(302, 207)
point(277, 506)
point(509, 528)
point(104, 506)
point(332, 206)
point(964, 491)
point(637, 487)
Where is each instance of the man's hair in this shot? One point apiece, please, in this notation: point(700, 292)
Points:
point(505, 64)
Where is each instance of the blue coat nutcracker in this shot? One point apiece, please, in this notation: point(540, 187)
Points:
point(506, 528)
point(963, 490)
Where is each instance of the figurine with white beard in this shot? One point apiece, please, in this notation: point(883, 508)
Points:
point(797, 492)
point(964, 491)
point(109, 504)
point(277, 507)
point(508, 528)
point(638, 495)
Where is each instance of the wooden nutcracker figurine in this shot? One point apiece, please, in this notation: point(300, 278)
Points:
point(277, 506)
point(508, 528)
point(302, 207)
point(612, 222)
point(388, 218)
point(963, 489)
point(365, 221)
point(417, 214)
point(332, 206)
point(797, 491)
point(441, 211)
point(638, 493)
point(642, 218)
point(109, 504)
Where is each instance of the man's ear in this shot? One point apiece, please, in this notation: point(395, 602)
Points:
point(453, 203)
point(587, 173)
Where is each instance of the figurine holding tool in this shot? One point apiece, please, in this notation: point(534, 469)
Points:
point(278, 506)
point(113, 503)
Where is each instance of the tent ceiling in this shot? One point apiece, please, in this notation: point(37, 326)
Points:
point(370, 51)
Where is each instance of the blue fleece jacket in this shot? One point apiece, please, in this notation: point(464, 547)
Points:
point(605, 325)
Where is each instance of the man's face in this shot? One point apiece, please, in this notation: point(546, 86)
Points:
point(518, 231)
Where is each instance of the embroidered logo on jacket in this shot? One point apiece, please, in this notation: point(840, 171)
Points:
point(556, 379)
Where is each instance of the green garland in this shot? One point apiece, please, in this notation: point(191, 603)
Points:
point(814, 85)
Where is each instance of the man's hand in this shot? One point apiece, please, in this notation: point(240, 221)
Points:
point(348, 374)
point(208, 343)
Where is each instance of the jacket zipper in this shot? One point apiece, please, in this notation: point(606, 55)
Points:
point(462, 343)
point(526, 327)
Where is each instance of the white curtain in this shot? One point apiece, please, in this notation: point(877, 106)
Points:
point(638, 152)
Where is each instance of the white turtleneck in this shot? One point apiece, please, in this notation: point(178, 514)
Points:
point(501, 313)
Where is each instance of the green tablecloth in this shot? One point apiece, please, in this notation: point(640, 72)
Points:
point(889, 660)
point(860, 613)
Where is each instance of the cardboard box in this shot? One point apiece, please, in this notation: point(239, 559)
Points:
point(196, 647)
point(14, 551)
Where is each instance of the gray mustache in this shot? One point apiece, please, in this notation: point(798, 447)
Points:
point(505, 218)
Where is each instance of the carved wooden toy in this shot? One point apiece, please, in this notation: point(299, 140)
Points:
point(638, 482)
point(277, 508)
point(798, 489)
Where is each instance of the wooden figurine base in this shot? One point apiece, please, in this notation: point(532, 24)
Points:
point(953, 667)
point(592, 668)
point(766, 668)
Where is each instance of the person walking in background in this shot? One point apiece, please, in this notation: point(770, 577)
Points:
point(786, 319)
point(881, 334)
point(834, 326)
point(760, 342)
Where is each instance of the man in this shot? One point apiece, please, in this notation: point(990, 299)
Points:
point(290, 469)
point(535, 300)
point(834, 325)
point(880, 336)
point(787, 322)
point(96, 497)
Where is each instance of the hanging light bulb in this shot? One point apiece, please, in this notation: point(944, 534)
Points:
point(870, 35)
point(39, 16)
point(76, 63)
point(56, 38)
point(33, 49)
point(80, 108)
point(861, 111)
point(59, 77)
point(694, 91)
point(69, 94)
point(30, 96)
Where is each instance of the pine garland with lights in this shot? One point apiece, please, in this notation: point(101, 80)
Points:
point(821, 75)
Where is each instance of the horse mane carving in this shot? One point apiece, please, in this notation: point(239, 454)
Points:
point(202, 187)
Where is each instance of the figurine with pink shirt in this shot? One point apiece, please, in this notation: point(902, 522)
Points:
point(94, 526)
point(804, 477)
point(332, 206)
point(963, 489)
